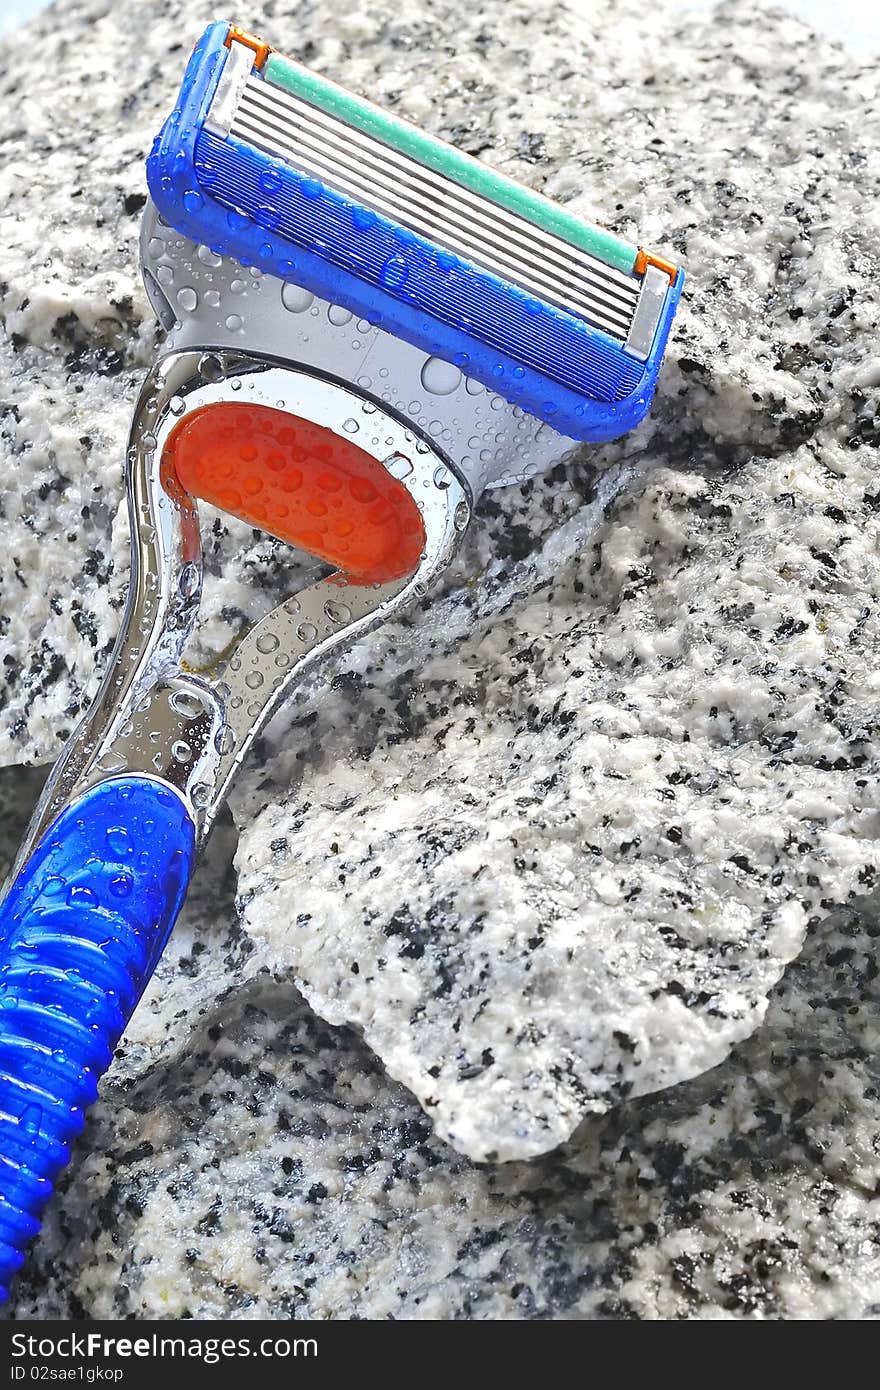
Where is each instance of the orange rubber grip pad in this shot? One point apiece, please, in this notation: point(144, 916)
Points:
point(300, 482)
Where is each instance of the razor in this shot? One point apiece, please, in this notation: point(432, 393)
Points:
point(364, 329)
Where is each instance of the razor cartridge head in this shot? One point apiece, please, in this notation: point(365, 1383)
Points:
point(272, 165)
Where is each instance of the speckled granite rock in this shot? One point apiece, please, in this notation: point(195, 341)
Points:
point(264, 1166)
point(606, 779)
point(553, 848)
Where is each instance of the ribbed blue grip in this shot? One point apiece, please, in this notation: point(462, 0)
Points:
point(80, 933)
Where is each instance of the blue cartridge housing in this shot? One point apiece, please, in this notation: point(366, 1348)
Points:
point(245, 203)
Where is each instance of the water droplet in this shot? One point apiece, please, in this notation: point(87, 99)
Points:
point(350, 426)
point(295, 299)
point(267, 642)
point(399, 466)
point(307, 632)
point(439, 377)
point(253, 680)
point(118, 841)
point(462, 516)
point(338, 613)
point(211, 367)
point(312, 188)
point(339, 316)
point(164, 274)
point(30, 1120)
point(121, 885)
point(189, 579)
point(209, 257)
point(442, 477)
point(112, 761)
point(394, 273)
point(212, 299)
point(270, 181)
point(200, 794)
point(225, 741)
point(193, 200)
point(80, 896)
point(237, 287)
point(229, 499)
point(155, 247)
point(234, 322)
point(186, 702)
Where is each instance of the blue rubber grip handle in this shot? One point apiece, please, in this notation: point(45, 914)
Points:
point(81, 931)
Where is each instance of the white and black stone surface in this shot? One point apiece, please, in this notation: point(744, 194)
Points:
point(548, 847)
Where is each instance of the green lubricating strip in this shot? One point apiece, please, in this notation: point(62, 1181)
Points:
point(446, 160)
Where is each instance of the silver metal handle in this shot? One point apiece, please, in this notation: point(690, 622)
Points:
point(152, 715)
